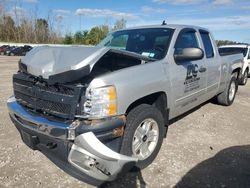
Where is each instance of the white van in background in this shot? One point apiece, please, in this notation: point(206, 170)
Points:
point(245, 49)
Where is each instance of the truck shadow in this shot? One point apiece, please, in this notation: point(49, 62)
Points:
point(131, 179)
point(228, 168)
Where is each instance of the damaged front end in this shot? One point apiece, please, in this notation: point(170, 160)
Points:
point(80, 147)
point(72, 64)
point(56, 111)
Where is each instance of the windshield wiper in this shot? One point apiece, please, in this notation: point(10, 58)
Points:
point(133, 54)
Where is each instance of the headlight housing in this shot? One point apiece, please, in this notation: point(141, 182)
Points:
point(100, 102)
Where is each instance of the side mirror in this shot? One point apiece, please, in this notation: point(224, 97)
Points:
point(188, 54)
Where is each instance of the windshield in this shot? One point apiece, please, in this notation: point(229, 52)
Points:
point(152, 43)
point(233, 50)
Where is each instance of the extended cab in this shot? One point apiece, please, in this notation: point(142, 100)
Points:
point(99, 111)
point(235, 49)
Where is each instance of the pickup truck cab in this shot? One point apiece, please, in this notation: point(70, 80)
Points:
point(245, 50)
point(96, 112)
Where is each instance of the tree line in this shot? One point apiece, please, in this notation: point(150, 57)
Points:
point(28, 31)
point(227, 42)
point(39, 31)
point(21, 28)
point(94, 35)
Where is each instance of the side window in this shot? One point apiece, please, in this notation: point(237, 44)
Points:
point(161, 41)
point(249, 53)
point(187, 39)
point(120, 41)
point(207, 44)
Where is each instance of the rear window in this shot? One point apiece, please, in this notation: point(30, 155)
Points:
point(233, 50)
point(207, 44)
point(187, 40)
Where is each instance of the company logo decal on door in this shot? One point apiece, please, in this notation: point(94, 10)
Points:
point(192, 80)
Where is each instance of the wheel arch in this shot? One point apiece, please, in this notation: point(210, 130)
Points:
point(247, 69)
point(158, 100)
point(237, 72)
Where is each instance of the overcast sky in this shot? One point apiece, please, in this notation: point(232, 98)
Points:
point(228, 19)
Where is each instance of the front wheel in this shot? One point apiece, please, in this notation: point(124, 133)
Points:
point(227, 97)
point(143, 134)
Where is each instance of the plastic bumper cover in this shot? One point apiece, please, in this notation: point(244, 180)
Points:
point(90, 156)
point(87, 154)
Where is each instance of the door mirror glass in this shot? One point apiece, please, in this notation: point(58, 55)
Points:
point(188, 54)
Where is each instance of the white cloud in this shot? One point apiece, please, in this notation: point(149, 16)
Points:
point(180, 2)
point(219, 23)
point(147, 9)
point(30, 1)
point(16, 11)
point(62, 11)
point(59, 18)
point(246, 7)
point(105, 13)
point(192, 2)
point(223, 2)
point(215, 24)
point(61, 14)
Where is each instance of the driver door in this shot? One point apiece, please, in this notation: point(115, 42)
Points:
point(188, 77)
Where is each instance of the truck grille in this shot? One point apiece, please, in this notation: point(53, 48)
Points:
point(57, 100)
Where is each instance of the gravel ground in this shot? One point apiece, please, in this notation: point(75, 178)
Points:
point(209, 147)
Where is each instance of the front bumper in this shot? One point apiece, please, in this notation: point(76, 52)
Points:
point(82, 155)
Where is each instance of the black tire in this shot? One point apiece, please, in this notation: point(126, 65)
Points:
point(224, 98)
point(244, 79)
point(134, 119)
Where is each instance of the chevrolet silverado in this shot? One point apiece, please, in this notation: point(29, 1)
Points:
point(97, 112)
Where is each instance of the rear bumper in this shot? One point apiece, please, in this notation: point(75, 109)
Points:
point(77, 148)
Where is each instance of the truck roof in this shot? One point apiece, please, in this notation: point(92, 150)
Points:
point(236, 46)
point(171, 26)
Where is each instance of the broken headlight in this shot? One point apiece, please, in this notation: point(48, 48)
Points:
point(100, 102)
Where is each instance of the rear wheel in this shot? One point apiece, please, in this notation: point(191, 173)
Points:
point(244, 78)
point(144, 134)
point(227, 97)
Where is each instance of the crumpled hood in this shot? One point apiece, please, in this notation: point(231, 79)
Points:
point(46, 61)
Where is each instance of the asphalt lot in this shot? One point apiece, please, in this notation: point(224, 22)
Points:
point(209, 147)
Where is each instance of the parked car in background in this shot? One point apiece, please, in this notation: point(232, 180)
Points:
point(245, 50)
point(20, 51)
point(3, 49)
point(8, 49)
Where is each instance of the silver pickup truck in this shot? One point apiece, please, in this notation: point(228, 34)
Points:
point(97, 112)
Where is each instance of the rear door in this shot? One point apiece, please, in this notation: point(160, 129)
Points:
point(213, 63)
point(188, 77)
